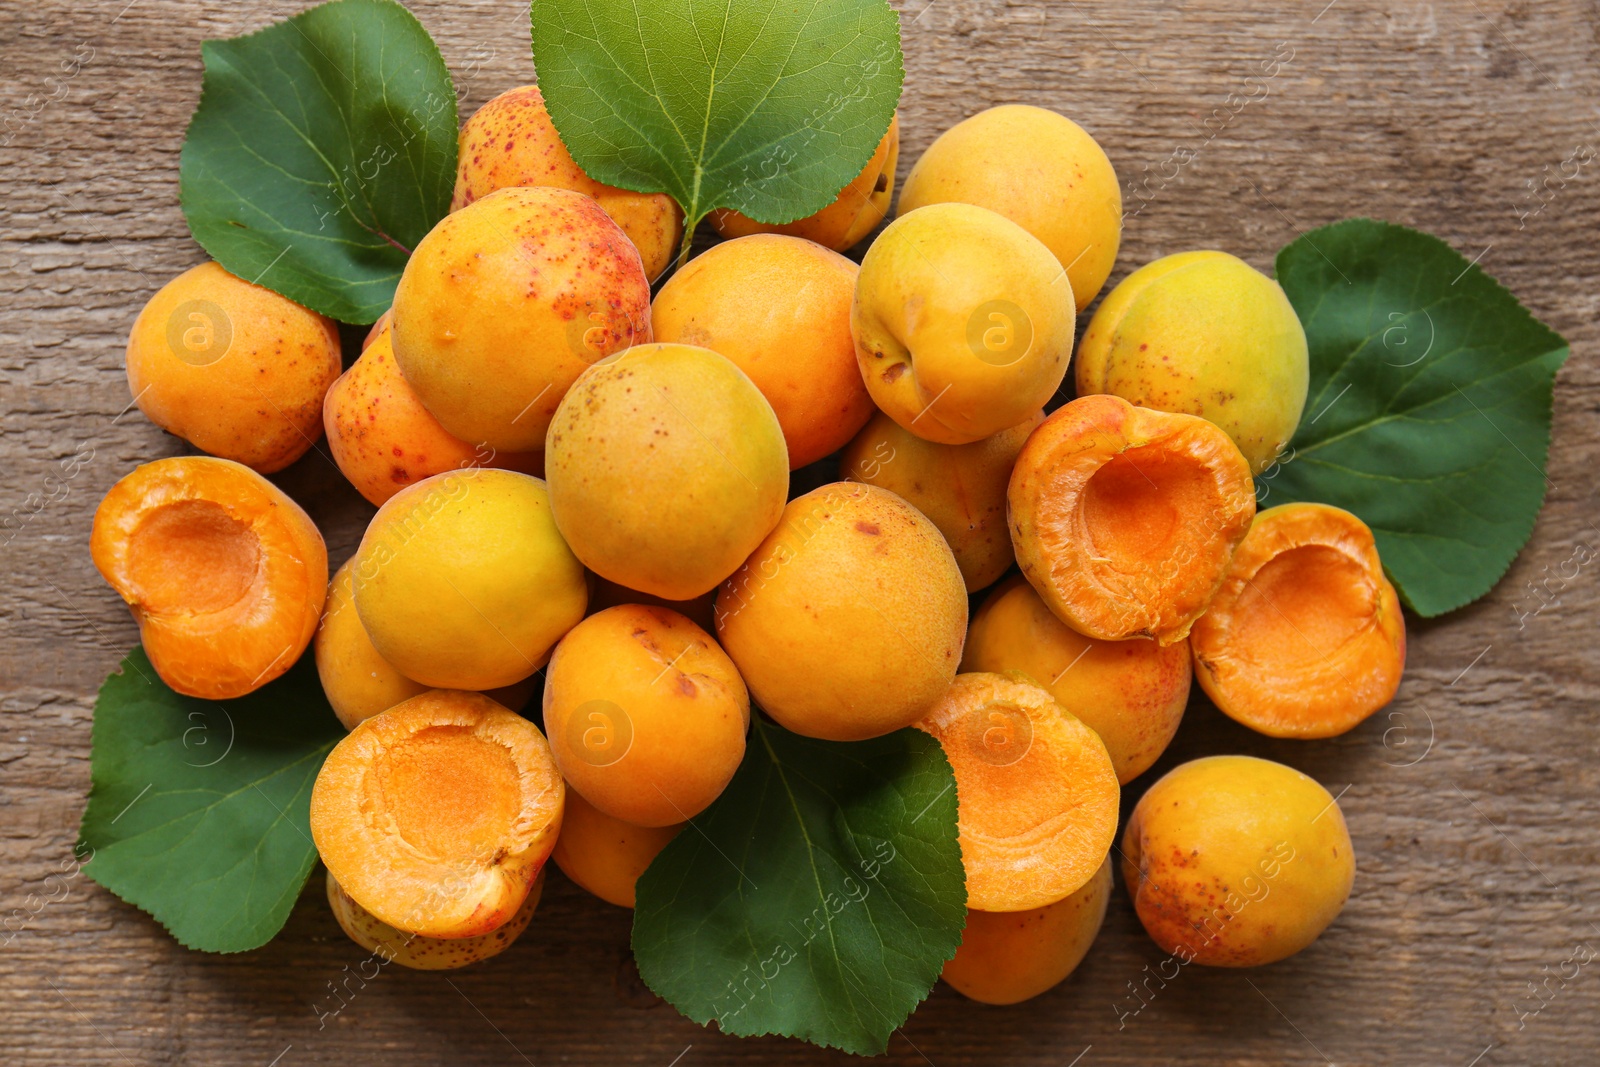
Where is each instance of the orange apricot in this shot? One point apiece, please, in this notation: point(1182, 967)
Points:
point(437, 815)
point(510, 141)
point(225, 574)
point(779, 308)
point(1305, 637)
point(1132, 693)
point(233, 368)
point(604, 855)
point(378, 329)
point(647, 715)
point(427, 953)
point(1124, 518)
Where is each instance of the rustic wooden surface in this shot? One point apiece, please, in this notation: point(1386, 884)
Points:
point(1474, 804)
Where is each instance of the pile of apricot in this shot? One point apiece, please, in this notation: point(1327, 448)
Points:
point(583, 491)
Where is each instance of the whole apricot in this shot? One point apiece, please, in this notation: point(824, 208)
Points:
point(647, 715)
point(1305, 637)
point(963, 323)
point(463, 580)
point(667, 467)
point(1124, 518)
point(1132, 693)
point(606, 856)
point(1234, 861)
point(960, 488)
point(225, 574)
point(851, 581)
point(1039, 169)
point(510, 141)
point(1206, 334)
point(505, 302)
point(427, 953)
point(779, 308)
point(234, 369)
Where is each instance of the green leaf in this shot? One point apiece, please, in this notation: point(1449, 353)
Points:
point(323, 150)
point(1429, 409)
point(765, 106)
point(818, 898)
point(199, 810)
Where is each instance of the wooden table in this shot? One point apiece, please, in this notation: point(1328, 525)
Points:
point(1474, 803)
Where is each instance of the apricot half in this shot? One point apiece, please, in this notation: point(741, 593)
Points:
point(963, 323)
point(604, 855)
point(427, 953)
point(1035, 791)
point(779, 308)
point(1010, 956)
point(225, 574)
point(1305, 637)
point(1124, 518)
point(847, 621)
point(437, 815)
point(1234, 861)
point(1132, 693)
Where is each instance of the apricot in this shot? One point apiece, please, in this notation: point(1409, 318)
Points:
point(383, 439)
point(1124, 518)
point(505, 302)
point(462, 580)
point(1305, 637)
point(510, 141)
point(1206, 334)
point(604, 593)
point(225, 574)
point(234, 369)
point(960, 488)
point(647, 715)
point(1036, 794)
point(779, 308)
point(667, 467)
point(1234, 861)
point(377, 330)
point(606, 856)
point(854, 213)
point(847, 621)
point(963, 323)
point(437, 815)
point(427, 953)
point(1010, 956)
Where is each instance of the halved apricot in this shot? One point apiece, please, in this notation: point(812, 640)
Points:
point(1305, 638)
point(225, 574)
point(427, 953)
point(1035, 790)
point(1124, 518)
point(605, 855)
point(437, 815)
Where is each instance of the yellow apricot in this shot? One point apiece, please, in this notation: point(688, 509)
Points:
point(427, 953)
point(604, 855)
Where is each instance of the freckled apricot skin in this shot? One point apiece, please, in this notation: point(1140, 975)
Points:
point(963, 323)
point(1039, 169)
point(779, 308)
point(510, 141)
point(646, 714)
point(853, 578)
point(1123, 518)
point(960, 488)
point(1305, 637)
point(233, 368)
point(427, 953)
point(667, 467)
point(1205, 334)
point(1234, 861)
point(225, 574)
point(505, 302)
point(854, 213)
point(606, 856)
point(1132, 693)
point(1007, 957)
point(463, 581)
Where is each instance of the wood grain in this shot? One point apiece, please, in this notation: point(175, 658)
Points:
point(1474, 804)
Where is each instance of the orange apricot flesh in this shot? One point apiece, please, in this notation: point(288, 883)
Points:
point(225, 574)
point(1035, 790)
point(437, 815)
point(1124, 518)
point(427, 953)
point(604, 855)
point(1305, 637)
